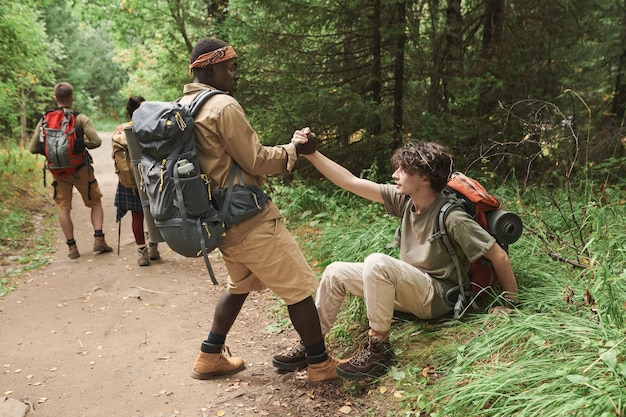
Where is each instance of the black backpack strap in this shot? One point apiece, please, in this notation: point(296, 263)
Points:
point(200, 98)
point(440, 233)
point(205, 253)
point(234, 171)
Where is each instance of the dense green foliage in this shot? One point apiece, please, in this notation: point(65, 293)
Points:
point(366, 75)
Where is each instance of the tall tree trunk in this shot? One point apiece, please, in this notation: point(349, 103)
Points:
point(376, 84)
point(453, 50)
point(492, 49)
point(398, 74)
point(436, 75)
point(23, 118)
point(376, 51)
point(619, 100)
point(493, 19)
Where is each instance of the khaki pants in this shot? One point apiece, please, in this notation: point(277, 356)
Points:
point(385, 284)
point(267, 256)
point(85, 182)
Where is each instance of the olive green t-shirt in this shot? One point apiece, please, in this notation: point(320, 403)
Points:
point(468, 237)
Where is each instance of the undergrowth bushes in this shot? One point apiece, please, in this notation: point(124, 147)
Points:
point(24, 216)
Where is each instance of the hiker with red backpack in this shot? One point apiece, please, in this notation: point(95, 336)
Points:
point(63, 136)
point(423, 282)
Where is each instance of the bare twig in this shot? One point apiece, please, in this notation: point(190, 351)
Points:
point(559, 257)
point(146, 290)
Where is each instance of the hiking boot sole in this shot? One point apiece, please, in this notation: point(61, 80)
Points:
point(290, 367)
point(324, 382)
point(359, 376)
point(102, 250)
point(205, 376)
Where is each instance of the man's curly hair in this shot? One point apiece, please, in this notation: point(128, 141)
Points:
point(429, 159)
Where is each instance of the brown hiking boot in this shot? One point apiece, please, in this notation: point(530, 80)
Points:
point(291, 359)
point(208, 365)
point(153, 251)
point(143, 259)
point(100, 245)
point(371, 360)
point(73, 253)
point(323, 372)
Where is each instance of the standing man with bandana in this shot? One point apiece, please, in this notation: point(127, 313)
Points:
point(260, 252)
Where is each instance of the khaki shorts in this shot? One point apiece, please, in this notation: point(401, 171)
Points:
point(269, 257)
point(85, 182)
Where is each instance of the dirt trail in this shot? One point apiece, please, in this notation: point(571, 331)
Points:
point(101, 336)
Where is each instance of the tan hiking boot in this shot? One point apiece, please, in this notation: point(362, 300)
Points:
point(323, 372)
point(143, 259)
point(208, 365)
point(100, 245)
point(73, 253)
point(153, 251)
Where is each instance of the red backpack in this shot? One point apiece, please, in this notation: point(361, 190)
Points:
point(63, 147)
point(506, 227)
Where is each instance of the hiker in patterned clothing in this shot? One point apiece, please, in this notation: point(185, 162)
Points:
point(423, 282)
point(80, 175)
point(126, 196)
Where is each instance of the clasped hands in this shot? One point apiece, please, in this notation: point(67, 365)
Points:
point(305, 141)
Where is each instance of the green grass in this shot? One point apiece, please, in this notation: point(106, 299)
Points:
point(26, 216)
point(562, 353)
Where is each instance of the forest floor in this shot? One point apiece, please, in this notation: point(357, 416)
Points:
point(101, 336)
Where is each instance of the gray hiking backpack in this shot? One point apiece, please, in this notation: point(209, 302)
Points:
point(176, 190)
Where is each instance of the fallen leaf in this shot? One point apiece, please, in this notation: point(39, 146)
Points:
point(346, 409)
point(427, 370)
point(382, 390)
point(220, 413)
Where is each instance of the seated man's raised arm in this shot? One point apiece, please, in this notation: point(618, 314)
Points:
point(343, 178)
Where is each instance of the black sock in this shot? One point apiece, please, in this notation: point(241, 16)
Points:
point(216, 339)
point(316, 349)
point(214, 343)
point(70, 242)
point(98, 233)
